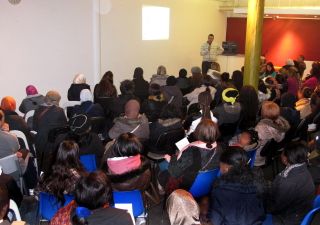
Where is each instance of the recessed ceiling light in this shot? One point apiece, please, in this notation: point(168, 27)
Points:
point(277, 17)
point(267, 15)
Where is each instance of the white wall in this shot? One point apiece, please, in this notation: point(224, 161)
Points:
point(122, 48)
point(46, 42)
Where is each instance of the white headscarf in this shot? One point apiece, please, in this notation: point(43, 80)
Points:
point(79, 79)
point(86, 95)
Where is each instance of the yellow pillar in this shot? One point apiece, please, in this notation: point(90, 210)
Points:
point(253, 42)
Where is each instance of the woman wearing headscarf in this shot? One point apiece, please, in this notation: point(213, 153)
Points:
point(32, 101)
point(182, 208)
point(87, 106)
point(141, 86)
point(79, 83)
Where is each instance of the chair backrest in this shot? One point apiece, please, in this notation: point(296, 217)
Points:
point(203, 183)
point(252, 156)
point(20, 135)
point(49, 205)
point(316, 202)
point(28, 115)
point(10, 164)
point(89, 162)
point(98, 124)
point(130, 197)
point(308, 218)
point(13, 208)
point(166, 141)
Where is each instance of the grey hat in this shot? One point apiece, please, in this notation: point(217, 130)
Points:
point(196, 69)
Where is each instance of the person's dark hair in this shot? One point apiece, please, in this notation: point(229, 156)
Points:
point(207, 81)
point(127, 87)
point(254, 137)
point(315, 102)
point(262, 87)
point(307, 92)
point(170, 111)
point(171, 81)
point(183, 73)
point(296, 152)
point(4, 201)
point(196, 80)
point(106, 87)
point(237, 79)
point(281, 79)
point(302, 57)
point(272, 68)
point(126, 144)
point(207, 131)
point(138, 73)
point(288, 100)
point(204, 101)
point(210, 35)
point(92, 192)
point(315, 70)
point(67, 158)
point(235, 157)
point(225, 76)
point(154, 89)
point(249, 101)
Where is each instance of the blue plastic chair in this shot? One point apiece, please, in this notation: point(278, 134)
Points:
point(268, 220)
point(130, 197)
point(89, 162)
point(308, 218)
point(203, 183)
point(252, 156)
point(49, 205)
point(316, 202)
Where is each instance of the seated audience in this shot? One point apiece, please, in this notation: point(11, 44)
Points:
point(271, 126)
point(248, 99)
point(131, 122)
point(229, 111)
point(248, 140)
point(172, 93)
point(182, 208)
point(65, 173)
point(293, 190)
point(80, 132)
point(16, 122)
point(303, 104)
point(87, 106)
point(92, 205)
point(169, 120)
point(301, 65)
point(196, 78)
point(288, 110)
point(127, 92)
point(79, 83)
point(206, 85)
point(263, 92)
point(183, 81)
point(9, 182)
point(126, 167)
point(293, 81)
point(141, 86)
point(154, 104)
point(270, 71)
point(237, 79)
point(32, 101)
point(161, 76)
point(274, 87)
point(200, 155)
point(236, 197)
point(203, 106)
point(226, 81)
point(105, 88)
point(312, 81)
point(4, 207)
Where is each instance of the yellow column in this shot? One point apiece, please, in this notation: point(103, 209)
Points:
point(253, 42)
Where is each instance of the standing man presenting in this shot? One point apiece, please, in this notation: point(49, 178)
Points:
point(209, 52)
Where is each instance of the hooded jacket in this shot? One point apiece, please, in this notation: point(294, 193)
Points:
point(268, 129)
point(173, 95)
point(138, 126)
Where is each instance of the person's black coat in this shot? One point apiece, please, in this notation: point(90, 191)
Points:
point(152, 109)
point(13, 189)
point(16, 122)
point(292, 196)
point(141, 89)
point(89, 108)
point(74, 91)
point(235, 203)
point(119, 104)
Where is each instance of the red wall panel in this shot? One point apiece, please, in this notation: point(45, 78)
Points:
point(281, 38)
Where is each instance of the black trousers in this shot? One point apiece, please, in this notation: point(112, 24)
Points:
point(205, 66)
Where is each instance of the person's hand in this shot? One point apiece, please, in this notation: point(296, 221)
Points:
point(5, 127)
point(19, 154)
point(167, 157)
